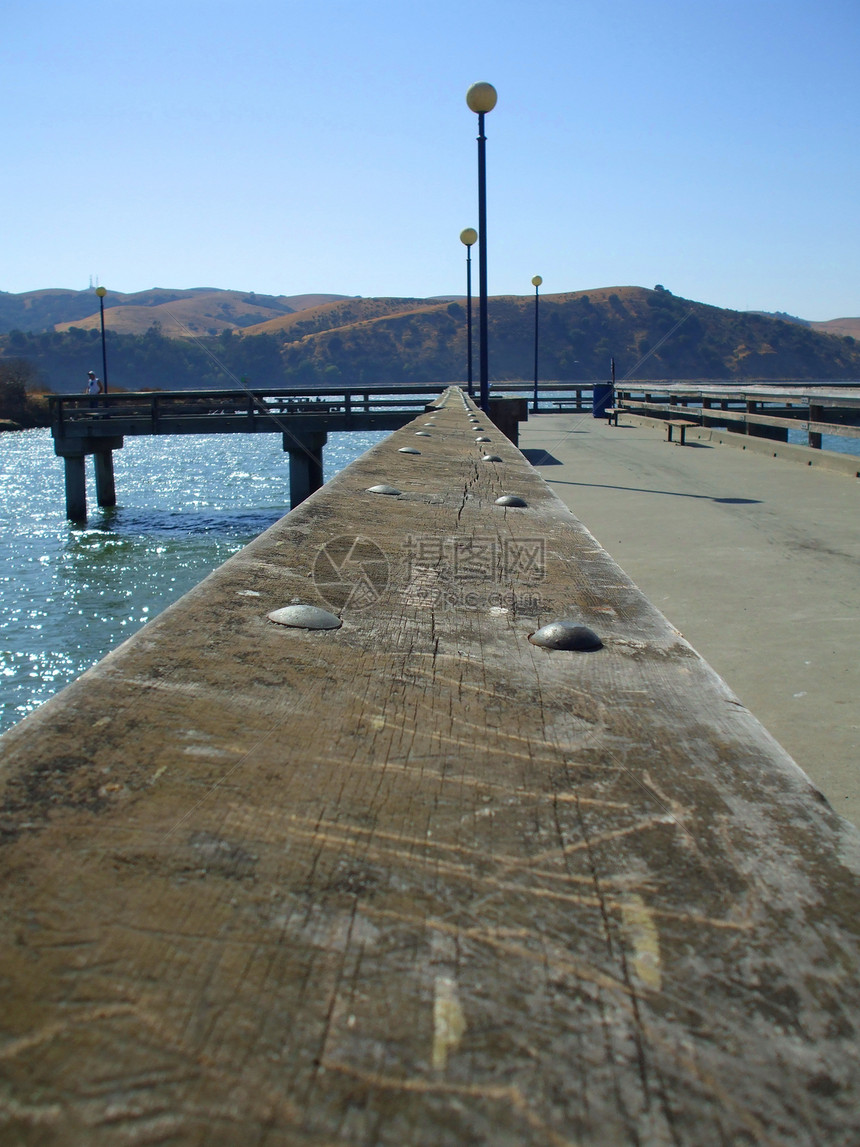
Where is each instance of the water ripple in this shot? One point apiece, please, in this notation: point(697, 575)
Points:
point(186, 503)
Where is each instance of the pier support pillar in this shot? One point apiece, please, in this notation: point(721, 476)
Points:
point(105, 486)
point(74, 451)
point(76, 487)
point(305, 449)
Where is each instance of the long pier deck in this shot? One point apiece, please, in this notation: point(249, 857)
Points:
point(416, 879)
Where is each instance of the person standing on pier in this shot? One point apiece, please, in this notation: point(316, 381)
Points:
point(94, 385)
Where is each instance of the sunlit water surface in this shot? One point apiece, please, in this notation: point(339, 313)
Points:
point(68, 595)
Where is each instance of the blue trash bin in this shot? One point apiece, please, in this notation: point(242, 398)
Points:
point(601, 398)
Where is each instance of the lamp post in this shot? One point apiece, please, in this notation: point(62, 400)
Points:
point(101, 292)
point(468, 237)
point(481, 99)
point(536, 282)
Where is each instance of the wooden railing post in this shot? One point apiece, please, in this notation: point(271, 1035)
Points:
point(813, 438)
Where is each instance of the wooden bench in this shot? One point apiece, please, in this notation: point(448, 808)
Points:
point(612, 413)
point(681, 424)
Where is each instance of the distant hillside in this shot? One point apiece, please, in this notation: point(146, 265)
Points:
point(336, 315)
point(849, 327)
point(197, 314)
point(651, 334)
point(355, 341)
point(786, 318)
point(194, 312)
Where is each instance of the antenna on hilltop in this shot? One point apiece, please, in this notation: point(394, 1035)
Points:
point(91, 282)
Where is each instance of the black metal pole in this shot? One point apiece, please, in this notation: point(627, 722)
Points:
point(469, 317)
point(482, 264)
point(535, 402)
point(104, 351)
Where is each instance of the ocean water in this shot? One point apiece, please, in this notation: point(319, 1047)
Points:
point(70, 594)
point(834, 442)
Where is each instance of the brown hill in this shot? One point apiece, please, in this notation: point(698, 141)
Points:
point(650, 333)
point(849, 327)
point(335, 315)
point(194, 313)
point(179, 313)
point(205, 314)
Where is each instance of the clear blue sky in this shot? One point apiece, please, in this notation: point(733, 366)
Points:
point(292, 146)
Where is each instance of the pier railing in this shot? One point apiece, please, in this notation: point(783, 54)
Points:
point(84, 425)
point(417, 869)
point(181, 408)
point(184, 411)
point(762, 411)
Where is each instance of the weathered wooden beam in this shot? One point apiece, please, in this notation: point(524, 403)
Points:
point(416, 880)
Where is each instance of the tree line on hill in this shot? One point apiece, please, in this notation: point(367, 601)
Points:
point(148, 361)
point(650, 334)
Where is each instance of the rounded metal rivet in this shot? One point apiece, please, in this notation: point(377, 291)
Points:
point(567, 635)
point(408, 450)
point(483, 438)
point(383, 489)
point(491, 458)
point(422, 434)
point(511, 500)
point(305, 617)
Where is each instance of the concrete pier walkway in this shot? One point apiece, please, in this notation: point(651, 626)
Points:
point(756, 560)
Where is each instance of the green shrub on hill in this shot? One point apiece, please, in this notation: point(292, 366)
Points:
point(22, 399)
